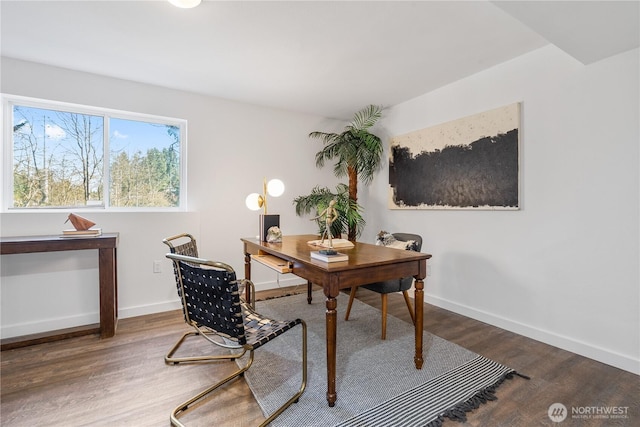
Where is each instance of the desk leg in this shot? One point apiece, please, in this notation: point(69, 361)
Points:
point(331, 316)
point(309, 291)
point(108, 292)
point(247, 275)
point(419, 311)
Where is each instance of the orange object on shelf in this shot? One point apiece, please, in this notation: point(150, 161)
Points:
point(79, 222)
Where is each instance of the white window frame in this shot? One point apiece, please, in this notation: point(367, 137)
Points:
point(6, 174)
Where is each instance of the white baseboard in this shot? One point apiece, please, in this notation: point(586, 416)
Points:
point(284, 281)
point(54, 324)
point(141, 310)
point(566, 343)
point(46, 325)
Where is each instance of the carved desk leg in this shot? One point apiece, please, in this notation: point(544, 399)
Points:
point(331, 316)
point(419, 309)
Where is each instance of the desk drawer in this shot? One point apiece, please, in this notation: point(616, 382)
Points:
point(278, 264)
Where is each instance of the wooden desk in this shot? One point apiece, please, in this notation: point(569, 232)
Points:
point(367, 263)
point(106, 245)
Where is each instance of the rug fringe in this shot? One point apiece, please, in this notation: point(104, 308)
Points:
point(459, 412)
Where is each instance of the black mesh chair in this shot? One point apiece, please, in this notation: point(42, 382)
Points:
point(212, 305)
point(185, 244)
point(390, 286)
point(182, 244)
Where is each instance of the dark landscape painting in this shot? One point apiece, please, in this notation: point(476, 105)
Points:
point(470, 163)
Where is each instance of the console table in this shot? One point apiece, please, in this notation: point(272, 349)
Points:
point(106, 245)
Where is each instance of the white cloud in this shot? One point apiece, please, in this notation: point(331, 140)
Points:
point(119, 135)
point(54, 132)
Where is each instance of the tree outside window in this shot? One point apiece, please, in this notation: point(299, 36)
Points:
point(145, 164)
point(59, 159)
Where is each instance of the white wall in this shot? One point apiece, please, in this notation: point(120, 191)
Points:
point(565, 268)
point(231, 147)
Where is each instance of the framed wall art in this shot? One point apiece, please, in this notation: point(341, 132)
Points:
point(468, 163)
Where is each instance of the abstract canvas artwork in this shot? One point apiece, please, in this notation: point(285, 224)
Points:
point(468, 163)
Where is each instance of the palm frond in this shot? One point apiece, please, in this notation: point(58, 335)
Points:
point(366, 118)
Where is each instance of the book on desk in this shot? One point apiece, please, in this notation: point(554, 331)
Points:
point(92, 232)
point(336, 257)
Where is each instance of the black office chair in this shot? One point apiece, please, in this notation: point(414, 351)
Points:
point(212, 305)
point(182, 244)
point(412, 242)
point(185, 244)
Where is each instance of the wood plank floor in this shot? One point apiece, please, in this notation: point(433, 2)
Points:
point(123, 381)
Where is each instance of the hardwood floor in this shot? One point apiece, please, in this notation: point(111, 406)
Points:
point(123, 381)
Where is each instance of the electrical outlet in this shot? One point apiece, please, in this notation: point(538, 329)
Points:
point(157, 267)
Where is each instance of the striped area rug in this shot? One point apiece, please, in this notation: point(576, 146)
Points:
point(376, 382)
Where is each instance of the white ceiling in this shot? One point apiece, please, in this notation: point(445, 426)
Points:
point(322, 57)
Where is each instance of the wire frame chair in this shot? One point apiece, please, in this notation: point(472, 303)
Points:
point(209, 292)
point(185, 244)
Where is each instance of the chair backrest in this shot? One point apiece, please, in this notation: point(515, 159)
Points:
point(406, 282)
point(210, 296)
point(405, 237)
point(182, 244)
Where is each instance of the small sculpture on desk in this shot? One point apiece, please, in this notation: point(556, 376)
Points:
point(330, 214)
point(274, 235)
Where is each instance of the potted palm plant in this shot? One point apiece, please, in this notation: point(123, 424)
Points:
point(358, 155)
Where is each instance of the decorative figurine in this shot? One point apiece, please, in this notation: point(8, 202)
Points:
point(330, 214)
point(80, 223)
point(274, 235)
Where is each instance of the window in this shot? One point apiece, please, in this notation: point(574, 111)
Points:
point(56, 155)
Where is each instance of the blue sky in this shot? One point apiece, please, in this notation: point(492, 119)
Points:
point(128, 135)
point(133, 136)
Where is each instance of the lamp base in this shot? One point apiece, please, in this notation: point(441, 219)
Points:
point(266, 222)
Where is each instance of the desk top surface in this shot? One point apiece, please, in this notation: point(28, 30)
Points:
point(297, 248)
